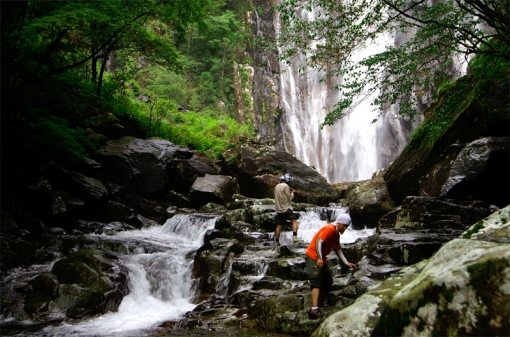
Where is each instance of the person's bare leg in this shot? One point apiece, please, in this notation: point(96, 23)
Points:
point(315, 297)
point(294, 229)
point(278, 231)
point(322, 295)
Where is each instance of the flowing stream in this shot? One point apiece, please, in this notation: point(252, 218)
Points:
point(160, 268)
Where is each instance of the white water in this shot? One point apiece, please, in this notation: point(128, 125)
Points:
point(159, 283)
point(353, 148)
point(309, 223)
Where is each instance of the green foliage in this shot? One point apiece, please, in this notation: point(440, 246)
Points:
point(401, 75)
point(486, 73)
point(478, 226)
point(203, 133)
point(211, 56)
point(59, 139)
point(167, 84)
point(164, 56)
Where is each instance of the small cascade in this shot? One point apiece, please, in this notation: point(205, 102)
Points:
point(160, 282)
point(311, 221)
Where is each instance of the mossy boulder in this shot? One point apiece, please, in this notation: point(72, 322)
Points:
point(83, 284)
point(469, 110)
point(288, 269)
point(462, 290)
point(368, 201)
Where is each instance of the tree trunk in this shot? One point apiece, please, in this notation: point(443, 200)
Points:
point(93, 70)
point(101, 72)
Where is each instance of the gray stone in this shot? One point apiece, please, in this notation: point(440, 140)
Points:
point(217, 189)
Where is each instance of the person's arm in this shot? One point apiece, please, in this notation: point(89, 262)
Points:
point(290, 193)
point(318, 249)
point(341, 256)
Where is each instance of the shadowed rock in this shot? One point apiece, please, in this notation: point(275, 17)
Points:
point(217, 189)
point(258, 167)
point(139, 165)
point(426, 212)
point(83, 284)
point(479, 172)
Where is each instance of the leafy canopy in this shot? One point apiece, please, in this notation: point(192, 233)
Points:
point(400, 75)
point(158, 67)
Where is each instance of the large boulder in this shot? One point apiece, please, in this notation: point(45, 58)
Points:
point(368, 201)
point(83, 284)
point(404, 246)
point(217, 189)
point(479, 172)
point(462, 290)
point(152, 209)
point(184, 172)
point(139, 165)
point(258, 167)
point(77, 183)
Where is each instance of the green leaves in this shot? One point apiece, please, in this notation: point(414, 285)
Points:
point(403, 75)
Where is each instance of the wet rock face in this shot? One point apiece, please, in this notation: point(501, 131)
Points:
point(460, 290)
point(259, 167)
point(84, 283)
point(266, 72)
point(278, 301)
point(479, 171)
point(434, 213)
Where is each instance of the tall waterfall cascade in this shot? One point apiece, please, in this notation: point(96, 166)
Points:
point(353, 148)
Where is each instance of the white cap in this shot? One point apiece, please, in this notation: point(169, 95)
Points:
point(344, 219)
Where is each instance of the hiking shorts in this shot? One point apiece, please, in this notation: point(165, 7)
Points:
point(287, 215)
point(319, 278)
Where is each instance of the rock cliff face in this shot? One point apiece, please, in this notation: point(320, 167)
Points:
point(424, 171)
point(257, 85)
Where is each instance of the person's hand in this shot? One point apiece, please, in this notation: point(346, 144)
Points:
point(351, 265)
point(320, 263)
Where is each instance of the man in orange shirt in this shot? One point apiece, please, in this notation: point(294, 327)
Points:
point(321, 280)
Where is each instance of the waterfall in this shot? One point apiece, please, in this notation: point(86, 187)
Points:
point(353, 148)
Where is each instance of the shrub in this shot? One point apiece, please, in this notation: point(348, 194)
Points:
point(60, 140)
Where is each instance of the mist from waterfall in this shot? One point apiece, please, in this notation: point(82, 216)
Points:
point(353, 148)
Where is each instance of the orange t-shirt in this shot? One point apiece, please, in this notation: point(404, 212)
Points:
point(330, 239)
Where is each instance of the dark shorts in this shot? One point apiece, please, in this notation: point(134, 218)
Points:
point(319, 278)
point(288, 215)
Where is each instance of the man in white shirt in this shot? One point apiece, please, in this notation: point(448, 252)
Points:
point(283, 196)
